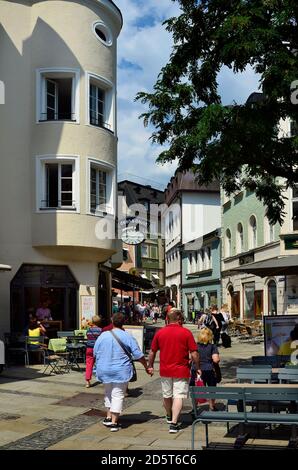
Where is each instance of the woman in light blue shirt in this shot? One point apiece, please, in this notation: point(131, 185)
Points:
point(114, 368)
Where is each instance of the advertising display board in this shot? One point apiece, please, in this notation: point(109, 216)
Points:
point(88, 310)
point(138, 333)
point(279, 334)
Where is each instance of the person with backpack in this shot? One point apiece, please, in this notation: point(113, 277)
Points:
point(208, 320)
point(92, 334)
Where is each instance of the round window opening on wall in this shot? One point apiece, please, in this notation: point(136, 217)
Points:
point(103, 33)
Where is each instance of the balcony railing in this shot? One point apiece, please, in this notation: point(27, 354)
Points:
point(57, 117)
point(95, 121)
point(45, 205)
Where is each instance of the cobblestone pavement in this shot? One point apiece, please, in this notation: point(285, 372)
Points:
point(39, 411)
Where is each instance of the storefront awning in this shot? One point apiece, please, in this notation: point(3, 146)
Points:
point(129, 281)
point(280, 266)
point(5, 267)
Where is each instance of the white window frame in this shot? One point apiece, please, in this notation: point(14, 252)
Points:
point(40, 177)
point(110, 182)
point(42, 75)
point(106, 30)
point(200, 261)
point(240, 238)
point(294, 199)
point(228, 244)
point(55, 109)
point(152, 248)
point(109, 101)
point(253, 233)
point(143, 247)
point(269, 235)
point(208, 256)
point(189, 262)
point(194, 261)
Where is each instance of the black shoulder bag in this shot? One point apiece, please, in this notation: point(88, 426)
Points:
point(134, 372)
point(216, 370)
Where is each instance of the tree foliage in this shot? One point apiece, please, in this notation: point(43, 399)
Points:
point(239, 144)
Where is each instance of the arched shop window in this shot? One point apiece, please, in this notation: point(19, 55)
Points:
point(272, 298)
point(36, 284)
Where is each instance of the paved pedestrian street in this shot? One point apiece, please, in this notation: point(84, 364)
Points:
point(56, 412)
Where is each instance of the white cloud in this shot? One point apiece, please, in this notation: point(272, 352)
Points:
point(145, 42)
point(146, 45)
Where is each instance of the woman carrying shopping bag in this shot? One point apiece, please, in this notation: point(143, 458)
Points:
point(208, 358)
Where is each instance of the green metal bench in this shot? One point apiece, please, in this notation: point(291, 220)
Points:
point(288, 374)
point(234, 394)
point(254, 374)
point(247, 395)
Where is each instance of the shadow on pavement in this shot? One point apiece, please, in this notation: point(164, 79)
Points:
point(137, 418)
point(229, 365)
point(134, 392)
point(11, 374)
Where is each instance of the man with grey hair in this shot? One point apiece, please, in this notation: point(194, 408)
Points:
point(176, 345)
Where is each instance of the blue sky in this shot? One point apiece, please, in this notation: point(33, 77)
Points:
point(144, 48)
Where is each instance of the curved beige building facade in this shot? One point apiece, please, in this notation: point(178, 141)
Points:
point(58, 156)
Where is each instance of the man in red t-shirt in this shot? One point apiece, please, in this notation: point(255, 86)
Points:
point(176, 344)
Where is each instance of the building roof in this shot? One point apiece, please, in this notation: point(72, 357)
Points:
point(185, 181)
point(117, 8)
point(113, 7)
point(137, 193)
point(255, 97)
point(279, 266)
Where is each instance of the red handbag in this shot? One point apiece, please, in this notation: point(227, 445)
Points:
point(199, 383)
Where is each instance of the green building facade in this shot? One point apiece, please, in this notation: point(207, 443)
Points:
point(201, 286)
point(248, 237)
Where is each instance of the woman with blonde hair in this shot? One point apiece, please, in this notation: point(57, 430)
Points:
point(208, 353)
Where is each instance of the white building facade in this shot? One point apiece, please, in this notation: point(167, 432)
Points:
point(58, 157)
point(193, 211)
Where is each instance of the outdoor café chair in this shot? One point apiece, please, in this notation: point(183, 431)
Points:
point(64, 334)
point(57, 356)
point(15, 344)
point(35, 344)
point(56, 362)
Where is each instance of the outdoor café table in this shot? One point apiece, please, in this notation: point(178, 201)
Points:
point(76, 347)
point(57, 345)
point(81, 333)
